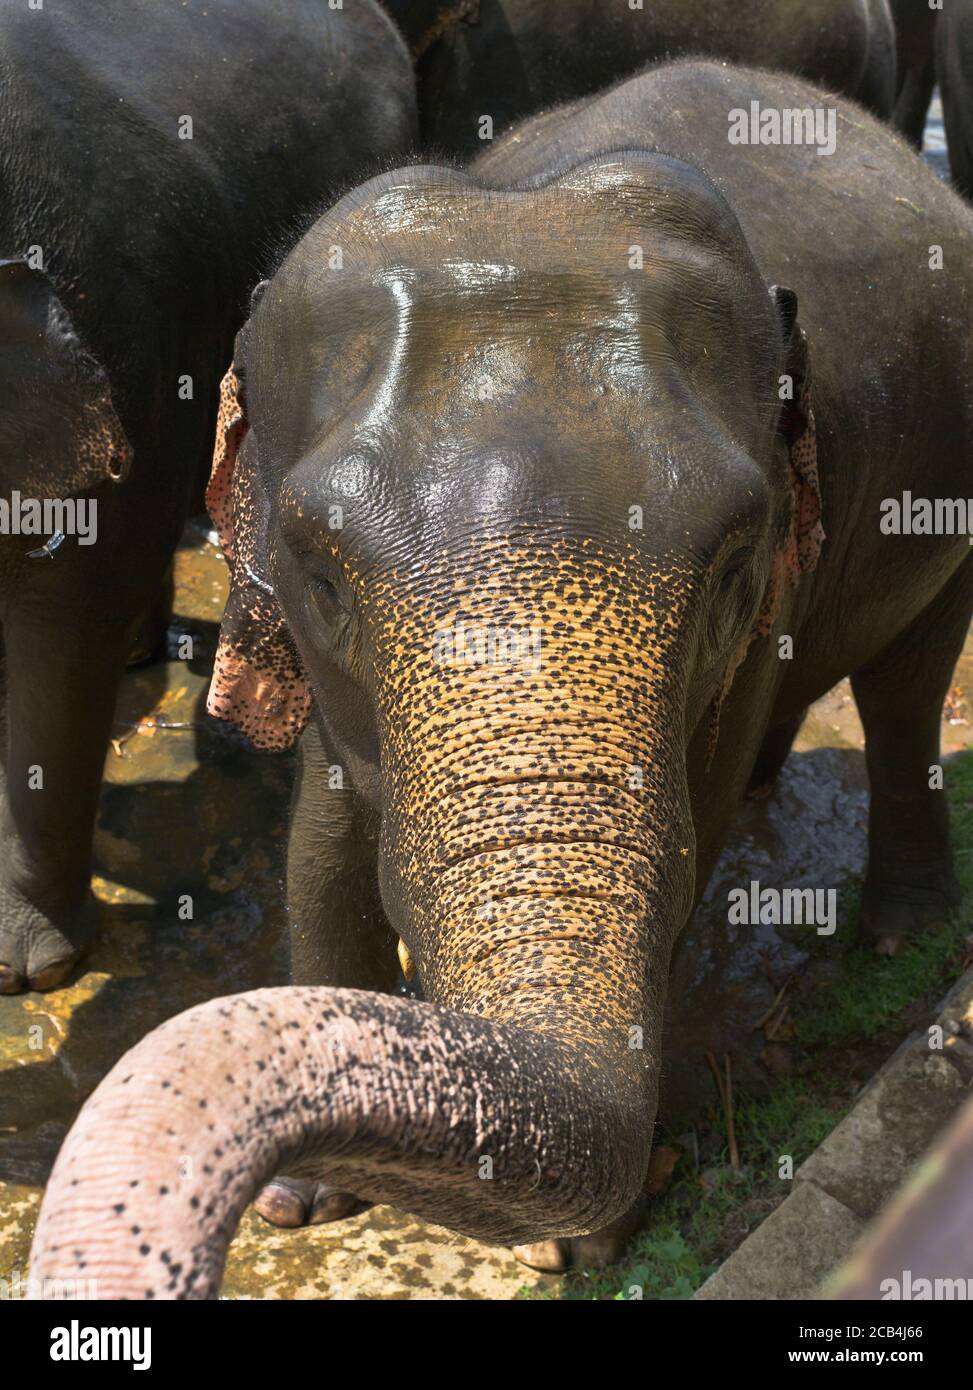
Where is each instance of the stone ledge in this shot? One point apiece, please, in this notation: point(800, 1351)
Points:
point(858, 1168)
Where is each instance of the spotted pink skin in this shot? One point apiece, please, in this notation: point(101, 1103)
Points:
point(396, 1101)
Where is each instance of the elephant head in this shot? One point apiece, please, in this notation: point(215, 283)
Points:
point(508, 489)
point(59, 433)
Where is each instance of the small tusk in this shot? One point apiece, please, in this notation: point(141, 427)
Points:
point(405, 960)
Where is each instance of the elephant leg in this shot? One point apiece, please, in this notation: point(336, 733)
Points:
point(912, 101)
point(339, 935)
point(61, 682)
point(910, 884)
point(954, 72)
point(774, 752)
point(149, 643)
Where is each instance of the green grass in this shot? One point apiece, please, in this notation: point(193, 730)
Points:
point(704, 1215)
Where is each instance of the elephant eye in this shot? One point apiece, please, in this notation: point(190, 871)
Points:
point(324, 603)
point(734, 596)
point(736, 570)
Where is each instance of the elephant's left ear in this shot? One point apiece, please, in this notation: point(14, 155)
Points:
point(258, 679)
point(797, 427)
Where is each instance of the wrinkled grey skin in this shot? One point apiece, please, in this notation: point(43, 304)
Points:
point(518, 56)
point(150, 246)
point(613, 386)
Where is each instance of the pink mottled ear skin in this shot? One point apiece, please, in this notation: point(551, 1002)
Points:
point(258, 681)
point(798, 555)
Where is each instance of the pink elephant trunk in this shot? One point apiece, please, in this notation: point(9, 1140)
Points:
point(500, 1134)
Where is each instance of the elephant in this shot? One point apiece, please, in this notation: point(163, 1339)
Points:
point(548, 515)
point(954, 73)
point(148, 169)
point(915, 27)
point(936, 46)
point(506, 59)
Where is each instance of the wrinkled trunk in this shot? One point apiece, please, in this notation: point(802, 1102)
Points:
point(537, 856)
point(494, 1132)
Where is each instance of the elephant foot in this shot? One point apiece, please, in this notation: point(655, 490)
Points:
point(895, 913)
point(601, 1248)
point(38, 950)
point(293, 1202)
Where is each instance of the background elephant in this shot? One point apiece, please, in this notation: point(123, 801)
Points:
point(150, 160)
point(508, 58)
point(915, 27)
point(526, 496)
point(954, 73)
point(936, 46)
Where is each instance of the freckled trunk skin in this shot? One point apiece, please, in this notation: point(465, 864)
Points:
point(531, 868)
point(538, 890)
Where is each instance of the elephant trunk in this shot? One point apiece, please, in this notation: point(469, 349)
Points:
point(537, 856)
point(500, 1134)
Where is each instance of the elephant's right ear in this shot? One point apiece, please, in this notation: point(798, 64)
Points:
point(258, 678)
point(59, 433)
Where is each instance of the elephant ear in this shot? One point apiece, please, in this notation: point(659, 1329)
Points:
point(797, 427)
point(258, 681)
point(800, 545)
point(59, 433)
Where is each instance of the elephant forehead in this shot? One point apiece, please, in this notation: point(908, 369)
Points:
point(474, 336)
point(601, 214)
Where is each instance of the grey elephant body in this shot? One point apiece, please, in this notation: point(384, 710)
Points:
point(149, 159)
point(506, 59)
point(507, 363)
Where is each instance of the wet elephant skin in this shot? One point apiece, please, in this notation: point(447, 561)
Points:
point(143, 183)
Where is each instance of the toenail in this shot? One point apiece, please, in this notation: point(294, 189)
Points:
point(10, 980)
point(52, 975)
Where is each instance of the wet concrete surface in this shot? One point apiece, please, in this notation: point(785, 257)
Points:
point(189, 858)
